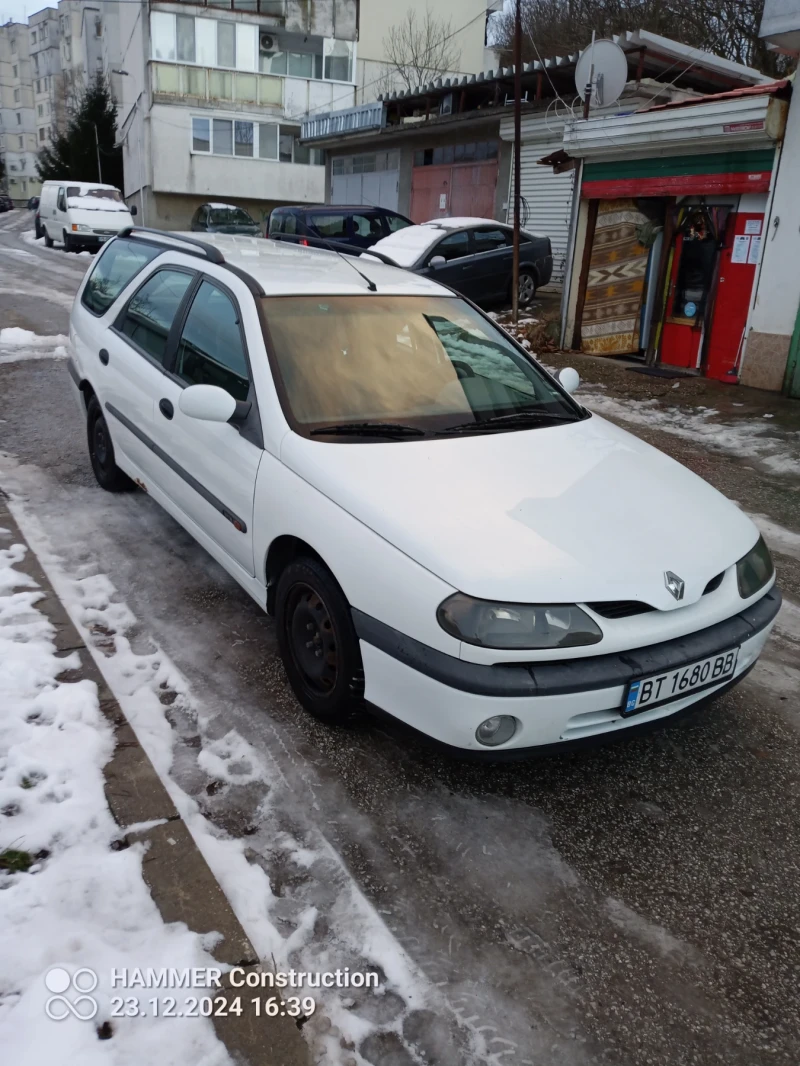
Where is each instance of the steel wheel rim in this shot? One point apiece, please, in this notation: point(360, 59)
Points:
point(312, 639)
point(100, 443)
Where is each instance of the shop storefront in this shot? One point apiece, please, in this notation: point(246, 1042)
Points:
point(671, 238)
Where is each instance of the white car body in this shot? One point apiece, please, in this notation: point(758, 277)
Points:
point(575, 513)
point(86, 219)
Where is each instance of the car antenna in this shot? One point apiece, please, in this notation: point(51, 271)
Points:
point(332, 248)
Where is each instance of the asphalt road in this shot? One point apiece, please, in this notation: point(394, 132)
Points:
point(635, 904)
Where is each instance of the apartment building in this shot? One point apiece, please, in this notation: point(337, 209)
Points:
point(212, 95)
point(17, 113)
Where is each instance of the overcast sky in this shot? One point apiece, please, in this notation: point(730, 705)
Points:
point(18, 10)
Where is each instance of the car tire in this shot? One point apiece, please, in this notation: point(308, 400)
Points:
point(318, 642)
point(527, 287)
point(101, 452)
point(68, 245)
point(48, 240)
point(37, 229)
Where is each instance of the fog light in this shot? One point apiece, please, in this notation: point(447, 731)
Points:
point(496, 730)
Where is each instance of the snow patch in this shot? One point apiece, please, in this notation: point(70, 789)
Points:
point(80, 904)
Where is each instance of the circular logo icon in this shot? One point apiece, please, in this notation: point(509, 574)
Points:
point(57, 980)
point(690, 309)
point(83, 1006)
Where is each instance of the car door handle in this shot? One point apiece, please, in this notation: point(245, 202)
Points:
point(103, 353)
point(166, 408)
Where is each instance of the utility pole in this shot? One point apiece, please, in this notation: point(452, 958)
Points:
point(97, 149)
point(517, 147)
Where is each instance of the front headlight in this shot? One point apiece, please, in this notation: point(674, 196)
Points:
point(78, 227)
point(516, 625)
point(754, 570)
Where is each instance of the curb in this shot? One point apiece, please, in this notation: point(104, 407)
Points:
point(180, 881)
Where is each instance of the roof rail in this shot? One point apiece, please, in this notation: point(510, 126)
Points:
point(333, 246)
point(199, 248)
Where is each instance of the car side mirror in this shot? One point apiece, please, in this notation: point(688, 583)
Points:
point(134, 210)
point(569, 379)
point(209, 403)
point(437, 261)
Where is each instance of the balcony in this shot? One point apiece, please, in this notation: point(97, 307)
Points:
point(201, 85)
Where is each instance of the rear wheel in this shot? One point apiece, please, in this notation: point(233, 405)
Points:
point(527, 287)
point(318, 642)
point(101, 452)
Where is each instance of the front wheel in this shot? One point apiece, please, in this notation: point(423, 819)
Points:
point(318, 642)
point(101, 452)
point(48, 240)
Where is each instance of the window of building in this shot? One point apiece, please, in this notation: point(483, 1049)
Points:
point(475, 151)
point(16, 96)
point(43, 33)
point(223, 136)
point(14, 46)
point(243, 139)
point(246, 47)
point(15, 70)
point(41, 134)
point(21, 142)
point(338, 60)
point(285, 143)
point(267, 140)
point(226, 44)
point(205, 38)
point(64, 20)
point(201, 134)
point(163, 33)
point(19, 119)
point(98, 27)
point(185, 49)
point(33, 36)
point(40, 110)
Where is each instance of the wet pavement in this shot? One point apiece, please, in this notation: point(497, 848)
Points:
point(633, 904)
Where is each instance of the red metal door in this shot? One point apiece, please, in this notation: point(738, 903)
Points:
point(430, 193)
point(473, 190)
point(464, 190)
point(737, 270)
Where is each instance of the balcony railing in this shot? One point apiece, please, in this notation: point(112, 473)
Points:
point(209, 83)
point(346, 120)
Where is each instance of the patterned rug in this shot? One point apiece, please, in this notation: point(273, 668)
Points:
point(611, 313)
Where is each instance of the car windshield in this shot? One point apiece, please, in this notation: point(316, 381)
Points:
point(95, 194)
point(422, 364)
point(229, 216)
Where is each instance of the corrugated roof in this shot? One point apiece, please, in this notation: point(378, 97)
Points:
point(770, 89)
point(629, 41)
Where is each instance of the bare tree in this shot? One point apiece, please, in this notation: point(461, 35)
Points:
point(418, 50)
point(728, 28)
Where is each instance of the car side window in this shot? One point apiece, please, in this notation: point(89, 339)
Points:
point(453, 247)
point(368, 226)
point(119, 264)
point(62, 200)
point(330, 225)
point(211, 349)
point(151, 310)
point(489, 240)
point(396, 222)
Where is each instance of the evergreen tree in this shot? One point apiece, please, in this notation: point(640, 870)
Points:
point(73, 153)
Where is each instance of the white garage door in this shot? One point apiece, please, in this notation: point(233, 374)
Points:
point(370, 179)
point(548, 200)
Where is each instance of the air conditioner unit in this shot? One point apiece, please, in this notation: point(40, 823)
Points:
point(446, 106)
point(266, 42)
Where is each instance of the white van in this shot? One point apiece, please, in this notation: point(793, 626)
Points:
point(81, 214)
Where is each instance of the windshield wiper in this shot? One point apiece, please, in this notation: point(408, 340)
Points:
point(516, 418)
point(368, 429)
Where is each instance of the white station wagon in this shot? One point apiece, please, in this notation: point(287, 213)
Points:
point(438, 528)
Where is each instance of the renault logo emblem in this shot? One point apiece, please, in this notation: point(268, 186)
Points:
point(675, 584)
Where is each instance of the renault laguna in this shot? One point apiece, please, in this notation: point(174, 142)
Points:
point(439, 529)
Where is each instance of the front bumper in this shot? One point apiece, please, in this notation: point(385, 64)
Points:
point(556, 703)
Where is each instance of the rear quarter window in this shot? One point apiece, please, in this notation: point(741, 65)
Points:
point(114, 269)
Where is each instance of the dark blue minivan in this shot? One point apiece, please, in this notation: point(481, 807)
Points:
point(360, 226)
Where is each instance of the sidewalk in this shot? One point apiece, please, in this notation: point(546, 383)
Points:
point(98, 872)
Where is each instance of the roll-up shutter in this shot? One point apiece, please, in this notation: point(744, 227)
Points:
point(547, 200)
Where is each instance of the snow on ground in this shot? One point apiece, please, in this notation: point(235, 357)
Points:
point(29, 237)
point(358, 936)
point(752, 438)
point(18, 344)
point(71, 902)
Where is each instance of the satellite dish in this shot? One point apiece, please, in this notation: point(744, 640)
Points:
point(605, 65)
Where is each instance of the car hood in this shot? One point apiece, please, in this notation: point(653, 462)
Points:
point(97, 218)
point(568, 513)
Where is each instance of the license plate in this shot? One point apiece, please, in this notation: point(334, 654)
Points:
point(656, 689)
